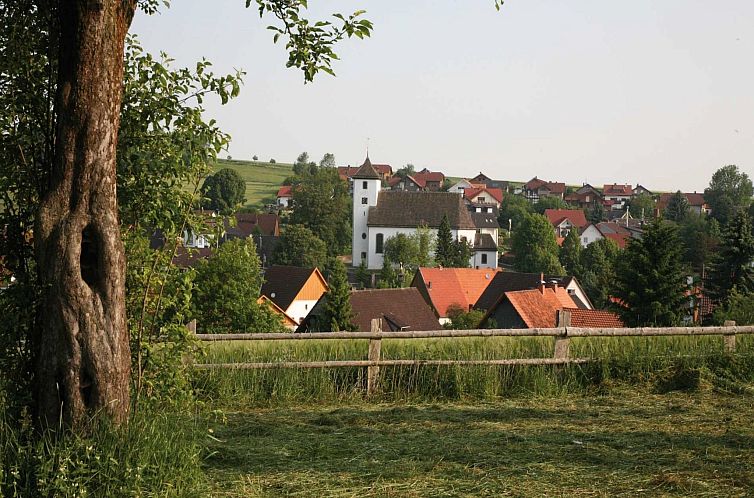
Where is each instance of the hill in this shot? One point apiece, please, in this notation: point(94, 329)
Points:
point(262, 178)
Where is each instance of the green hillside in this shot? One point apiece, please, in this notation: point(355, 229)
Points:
point(262, 179)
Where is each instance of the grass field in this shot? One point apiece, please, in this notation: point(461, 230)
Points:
point(262, 179)
point(626, 443)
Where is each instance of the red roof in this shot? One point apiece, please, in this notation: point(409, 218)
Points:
point(534, 184)
point(346, 172)
point(620, 238)
point(616, 189)
point(496, 193)
point(538, 308)
point(429, 176)
point(575, 216)
point(595, 319)
point(285, 191)
point(694, 199)
point(460, 286)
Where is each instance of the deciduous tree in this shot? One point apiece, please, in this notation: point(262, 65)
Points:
point(224, 191)
point(299, 246)
point(677, 209)
point(729, 191)
point(535, 247)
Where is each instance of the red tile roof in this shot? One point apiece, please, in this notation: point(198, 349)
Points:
point(399, 309)
point(190, 257)
point(694, 199)
point(495, 193)
point(619, 238)
point(616, 189)
point(248, 223)
point(595, 319)
point(575, 216)
point(429, 176)
point(285, 191)
point(448, 286)
point(537, 310)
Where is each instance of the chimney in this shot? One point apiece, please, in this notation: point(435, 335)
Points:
point(542, 283)
point(552, 284)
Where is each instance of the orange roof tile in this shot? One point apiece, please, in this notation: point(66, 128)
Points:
point(460, 286)
point(285, 191)
point(536, 309)
point(496, 193)
point(576, 216)
point(595, 319)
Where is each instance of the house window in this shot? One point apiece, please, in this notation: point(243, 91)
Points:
point(364, 185)
point(364, 200)
point(379, 243)
point(364, 235)
point(363, 256)
point(484, 259)
point(481, 198)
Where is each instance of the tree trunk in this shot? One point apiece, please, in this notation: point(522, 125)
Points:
point(83, 358)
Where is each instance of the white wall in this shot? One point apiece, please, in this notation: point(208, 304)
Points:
point(476, 259)
point(374, 260)
point(589, 235)
point(299, 309)
point(459, 187)
point(360, 214)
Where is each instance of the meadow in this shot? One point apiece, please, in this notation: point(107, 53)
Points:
point(262, 179)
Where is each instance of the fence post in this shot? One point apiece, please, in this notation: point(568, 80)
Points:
point(191, 326)
point(375, 346)
point(729, 340)
point(562, 342)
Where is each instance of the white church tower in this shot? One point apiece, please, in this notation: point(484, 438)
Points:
point(366, 188)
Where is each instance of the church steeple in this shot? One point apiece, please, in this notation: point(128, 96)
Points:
point(366, 171)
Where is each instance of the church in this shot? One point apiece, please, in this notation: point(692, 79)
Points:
point(380, 214)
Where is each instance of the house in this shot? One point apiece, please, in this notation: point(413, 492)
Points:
point(484, 195)
point(407, 183)
point(288, 322)
point(461, 185)
point(539, 308)
point(507, 281)
point(379, 215)
point(285, 197)
point(397, 309)
point(641, 190)
point(443, 288)
point(620, 195)
point(432, 180)
point(384, 170)
point(483, 179)
point(535, 189)
point(295, 290)
point(248, 224)
point(189, 257)
point(606, 230)
point(585, 197)
point(697, 204)
point(564, 220)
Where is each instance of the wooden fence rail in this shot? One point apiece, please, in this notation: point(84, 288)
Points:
point(562, 335)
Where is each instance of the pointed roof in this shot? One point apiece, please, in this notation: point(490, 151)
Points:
point(448, 286)
point(367, 171)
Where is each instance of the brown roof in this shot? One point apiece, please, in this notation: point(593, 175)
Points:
point(484, 242)
point(425, 176)
point(190, 257)
point(249, 223)
point(693, 198)
point(616, 189)
point(595, 319)
point(506, 281)
point(413, 209)
point(575, 216)
point(555, 187)
point(534, 184)
point(366, 171)
point(283, 283)
point(496, 193)
point(447, 286)
point(485, 220)
point(399, 309)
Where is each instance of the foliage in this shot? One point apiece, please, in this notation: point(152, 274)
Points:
point(535, 247)
point(596, 214)
point(739, 307)
point(388, 278)
point(410, 251)
point(732, 262)
point(597, 270)
point(337, 312)
point(461, 319)
point(450, 253)
point(327, 161)
point(677, 209)
point(650, 281)
point(700, 236)
point(514, 208)
point(550, 202)
point(642, 206)
point(729, 191)
point(363, 276)
point(322, 204)
point(226, 291)
point(405, 171)
point(224, 191)
point(570, 253)
point(303, 167)
point(299, 246)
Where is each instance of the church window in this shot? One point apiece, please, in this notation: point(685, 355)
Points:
point(364, 200)
point(379, 243)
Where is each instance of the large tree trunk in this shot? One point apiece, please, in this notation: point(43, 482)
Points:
point(83, 359)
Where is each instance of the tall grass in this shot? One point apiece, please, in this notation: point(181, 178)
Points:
point(658, 360)
point(156, 454)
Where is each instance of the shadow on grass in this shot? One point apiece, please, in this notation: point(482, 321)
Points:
point(667, 446)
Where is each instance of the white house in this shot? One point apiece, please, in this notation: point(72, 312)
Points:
point(379, 215)
point(463, 184)
point(285, 197)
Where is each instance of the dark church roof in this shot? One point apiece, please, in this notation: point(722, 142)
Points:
point(484, 242)
point(413, 209)
point(366, 171)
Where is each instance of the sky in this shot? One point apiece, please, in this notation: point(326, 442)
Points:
point(656, 92)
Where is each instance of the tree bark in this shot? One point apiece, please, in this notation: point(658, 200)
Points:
point(82, 343)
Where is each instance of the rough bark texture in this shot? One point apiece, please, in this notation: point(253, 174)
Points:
point(83, 359)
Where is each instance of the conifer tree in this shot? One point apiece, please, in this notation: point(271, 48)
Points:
point(677, 209)
point(732, 265)
point(650, 280)
point(338, 314)
point(444, 251)
point(570, 253)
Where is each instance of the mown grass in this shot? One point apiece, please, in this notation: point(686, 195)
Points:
point(262, 179)
point(630, 360)
point(630, 442)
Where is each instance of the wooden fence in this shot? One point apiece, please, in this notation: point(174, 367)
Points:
point(562, 335)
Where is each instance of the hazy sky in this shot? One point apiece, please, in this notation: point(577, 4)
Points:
point(659, 92)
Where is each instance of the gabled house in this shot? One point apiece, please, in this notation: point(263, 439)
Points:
point(641, 190)
point(507, 281)
point(461, 185)
point(295, 290)
point(397, 309)
point(585, 197)
point(288, 322)
point(407, 183)
point(432, 180)
point(443, 288)
point(565, 220)
point(484, 196)
point(697, 204)
point(536, 188)
point(249, 224)
point(285, 197)
point(606, 230)
point(379, 215)
point(489, 182)
point(618, 194)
